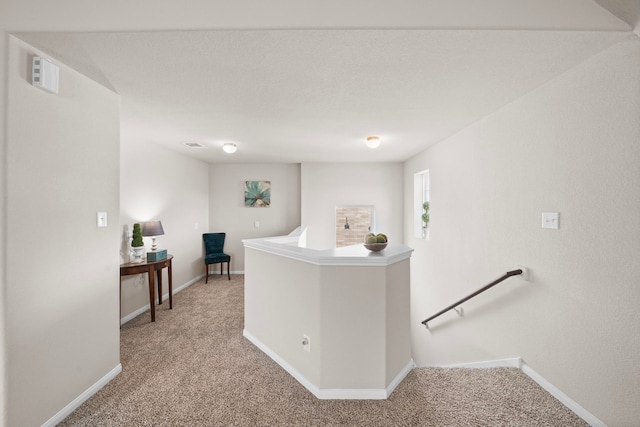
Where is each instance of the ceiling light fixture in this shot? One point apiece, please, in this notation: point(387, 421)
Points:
point(373, 141)
point(229, 147)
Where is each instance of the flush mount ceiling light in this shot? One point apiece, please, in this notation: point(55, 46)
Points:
point(373, 141)
point(229, 147)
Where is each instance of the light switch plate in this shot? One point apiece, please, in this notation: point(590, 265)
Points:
point(101, 219)
point(551, 220)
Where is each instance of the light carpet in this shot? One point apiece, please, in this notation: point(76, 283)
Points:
point(193, 367)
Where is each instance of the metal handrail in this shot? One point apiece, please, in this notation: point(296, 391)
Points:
point(479, 291)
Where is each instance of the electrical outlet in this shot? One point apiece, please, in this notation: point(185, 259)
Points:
point(306, 343)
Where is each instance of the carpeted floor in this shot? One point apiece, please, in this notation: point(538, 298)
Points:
point(193, 367)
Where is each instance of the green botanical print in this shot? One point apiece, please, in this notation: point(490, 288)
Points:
point(257, 193)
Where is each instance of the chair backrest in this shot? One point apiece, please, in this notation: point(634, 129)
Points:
point(213, 242)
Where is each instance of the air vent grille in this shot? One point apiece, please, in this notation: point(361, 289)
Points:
point(193, 145)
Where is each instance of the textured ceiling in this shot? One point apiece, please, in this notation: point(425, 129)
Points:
point(314, 95)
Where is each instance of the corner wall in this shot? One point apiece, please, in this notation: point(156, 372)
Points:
point(4, 41)
point(229, 214)
point(325, 186)
point(571, 146)
point(61, 271)
point(157, 183)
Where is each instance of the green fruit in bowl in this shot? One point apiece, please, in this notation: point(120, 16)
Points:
point(371, 239)
point(381, 239)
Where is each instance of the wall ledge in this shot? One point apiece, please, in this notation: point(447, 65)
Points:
point(356, 255)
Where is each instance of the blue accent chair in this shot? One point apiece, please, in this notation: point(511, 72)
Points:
point(214, 252)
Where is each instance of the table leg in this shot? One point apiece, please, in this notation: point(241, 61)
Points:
point(170, 274)
point(152, 298)
point(159, 273)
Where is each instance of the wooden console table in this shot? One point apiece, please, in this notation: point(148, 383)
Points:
point(149, 267)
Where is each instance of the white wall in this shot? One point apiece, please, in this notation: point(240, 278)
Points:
point(353, 308)
point(326, 186)
point(229, 214)
point(4, 105)
point(156, 183)
point(61, 271)
point(570, 147)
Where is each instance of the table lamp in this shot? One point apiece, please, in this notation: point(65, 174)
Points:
point(152, 229)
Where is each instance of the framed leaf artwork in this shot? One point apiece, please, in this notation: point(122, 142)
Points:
point(257, 194)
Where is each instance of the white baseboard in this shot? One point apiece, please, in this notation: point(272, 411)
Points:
point(517, 362)
point(398, 379)
point(64, 412)
point(566, 400)
point(344, 394)
point(514, 362)
point(183, 287)
point(147, 307)
point(217, 273)
point(366, 394)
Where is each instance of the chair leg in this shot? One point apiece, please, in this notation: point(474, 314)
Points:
point(206, 273)
point(228, 275)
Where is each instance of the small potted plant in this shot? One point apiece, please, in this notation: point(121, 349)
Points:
point(425, 219)
point(137, 243)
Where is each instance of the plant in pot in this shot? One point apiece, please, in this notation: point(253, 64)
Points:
point(425, 219)
point(137, 244)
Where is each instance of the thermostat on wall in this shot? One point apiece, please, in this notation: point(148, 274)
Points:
point(44, 74)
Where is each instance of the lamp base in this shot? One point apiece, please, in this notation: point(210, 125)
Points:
point(154, 246)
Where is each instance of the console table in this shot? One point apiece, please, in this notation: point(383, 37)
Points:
point(149, 267)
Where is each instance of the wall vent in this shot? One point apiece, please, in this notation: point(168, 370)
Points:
point(193, 145)
point(44, 74)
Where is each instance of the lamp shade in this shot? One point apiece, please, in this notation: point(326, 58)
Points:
point(152, 228)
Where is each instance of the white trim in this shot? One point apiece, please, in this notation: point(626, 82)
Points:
point(514, 362)
point(134, 314)
point(183, 287)
point(517, 362)
point(283, 363)
point(355, 255)
point(217, 273)
point(351, 394)
point(401, 375)
point(346, 394)
point(147, 307)
point(75, 404)
point(566, 400)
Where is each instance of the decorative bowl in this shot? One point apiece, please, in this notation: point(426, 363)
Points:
point(375, 247)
